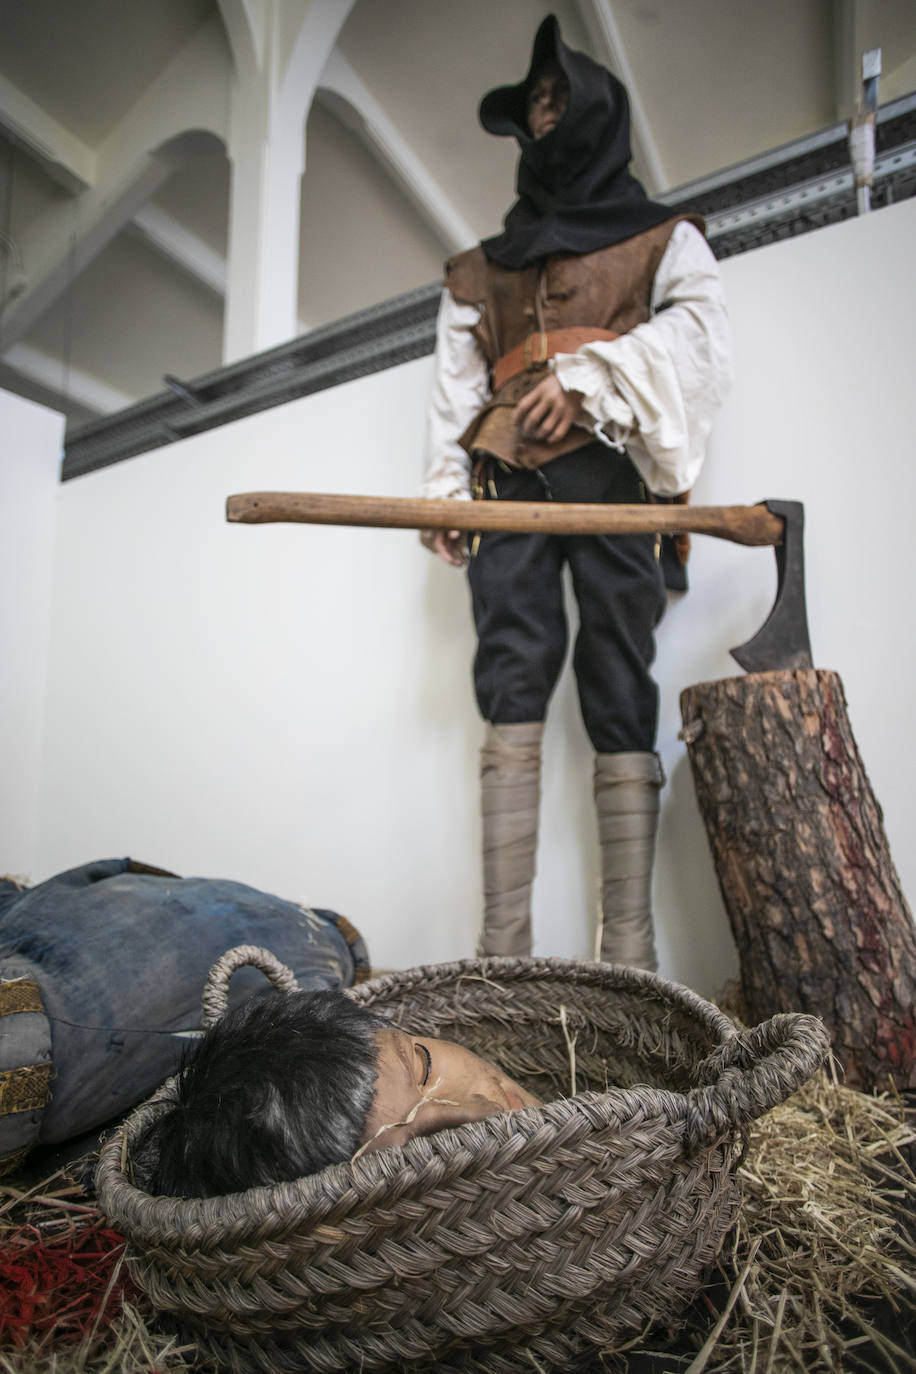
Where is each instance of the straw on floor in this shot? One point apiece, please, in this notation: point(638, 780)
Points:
point(821, 1238)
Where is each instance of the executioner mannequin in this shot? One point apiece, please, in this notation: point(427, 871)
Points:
point(582, 355)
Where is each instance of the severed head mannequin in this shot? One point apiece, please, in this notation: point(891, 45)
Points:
point(283, 1086)
point(425, 1085)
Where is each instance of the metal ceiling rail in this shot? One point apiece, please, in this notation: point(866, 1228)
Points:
point(367, 341)
point(807, 195)
point(787, 191)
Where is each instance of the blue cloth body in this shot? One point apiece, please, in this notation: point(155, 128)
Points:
point(120, 958)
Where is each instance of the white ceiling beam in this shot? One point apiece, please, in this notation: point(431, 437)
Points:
point(181, 246)
point(190, 95)
point(603, 30)
point(186, 250)
point(135, 158)
point(64, 382)
point(71, 237)
point(246, 28)
point(66, 158)
point(351, 100)
point(189, 252)
point(298, 72)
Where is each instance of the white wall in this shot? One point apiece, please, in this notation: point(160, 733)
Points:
point(30, 445)
point(292, 706)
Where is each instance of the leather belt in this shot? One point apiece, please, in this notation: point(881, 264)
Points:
point(540, 347)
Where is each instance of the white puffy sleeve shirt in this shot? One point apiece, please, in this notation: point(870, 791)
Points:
point(655, 391)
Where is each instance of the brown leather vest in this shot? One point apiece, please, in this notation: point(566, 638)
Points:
point(609, 289)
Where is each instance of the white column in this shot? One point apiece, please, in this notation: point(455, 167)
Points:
point(262, 277)
point(351, 100)
point(271, 99)
point(601, 24)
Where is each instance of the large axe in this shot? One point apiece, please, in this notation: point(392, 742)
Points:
point(782, 641)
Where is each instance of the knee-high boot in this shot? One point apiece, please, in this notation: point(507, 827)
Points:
point(627, 801)
point(510, 794)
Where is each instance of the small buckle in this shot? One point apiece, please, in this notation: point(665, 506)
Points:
point(543, 349)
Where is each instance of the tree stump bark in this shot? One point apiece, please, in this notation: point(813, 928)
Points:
point(811, 892)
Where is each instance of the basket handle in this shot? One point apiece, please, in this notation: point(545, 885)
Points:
point(215, 997)
point(753, 1071)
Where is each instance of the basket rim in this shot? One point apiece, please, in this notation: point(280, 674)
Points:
point(145, 1216)
point(508, 969)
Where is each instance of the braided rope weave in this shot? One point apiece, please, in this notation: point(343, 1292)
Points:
point(525, 1240)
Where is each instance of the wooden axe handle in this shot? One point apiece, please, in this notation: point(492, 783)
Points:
point(740, 524)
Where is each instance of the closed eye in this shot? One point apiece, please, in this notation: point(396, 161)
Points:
point(429, 1063)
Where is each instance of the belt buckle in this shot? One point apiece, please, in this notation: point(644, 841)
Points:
point(543, 347)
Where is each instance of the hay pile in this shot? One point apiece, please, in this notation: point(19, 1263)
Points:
point(823, 1235)
point(824, 1241)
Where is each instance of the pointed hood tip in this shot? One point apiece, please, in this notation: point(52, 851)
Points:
point(504, 110)
point(575, 191)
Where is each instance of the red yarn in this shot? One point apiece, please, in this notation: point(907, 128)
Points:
point(59, 1286)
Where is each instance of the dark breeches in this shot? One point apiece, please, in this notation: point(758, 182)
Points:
point(517, 594)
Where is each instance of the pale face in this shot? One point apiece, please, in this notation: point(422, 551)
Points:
point(548, 98)
point(425, 1085)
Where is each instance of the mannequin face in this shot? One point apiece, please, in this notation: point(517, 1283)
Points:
point(425, 1085)
point(548, 98)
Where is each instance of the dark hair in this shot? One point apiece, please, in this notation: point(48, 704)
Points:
point(279, 1088)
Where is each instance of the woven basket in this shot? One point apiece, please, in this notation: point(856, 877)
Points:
point(526, 1241)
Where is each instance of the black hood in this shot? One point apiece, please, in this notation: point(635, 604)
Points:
point(575, 193)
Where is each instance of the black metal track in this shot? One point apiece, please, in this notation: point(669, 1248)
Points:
point(368, 341)
point(790, 191)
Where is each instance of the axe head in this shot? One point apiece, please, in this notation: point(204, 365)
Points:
point(782, 641)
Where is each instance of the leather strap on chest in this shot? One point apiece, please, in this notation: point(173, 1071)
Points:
point(540, 347)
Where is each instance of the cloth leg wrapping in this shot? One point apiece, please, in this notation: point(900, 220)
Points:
point(627, 800)
point(510, 794)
